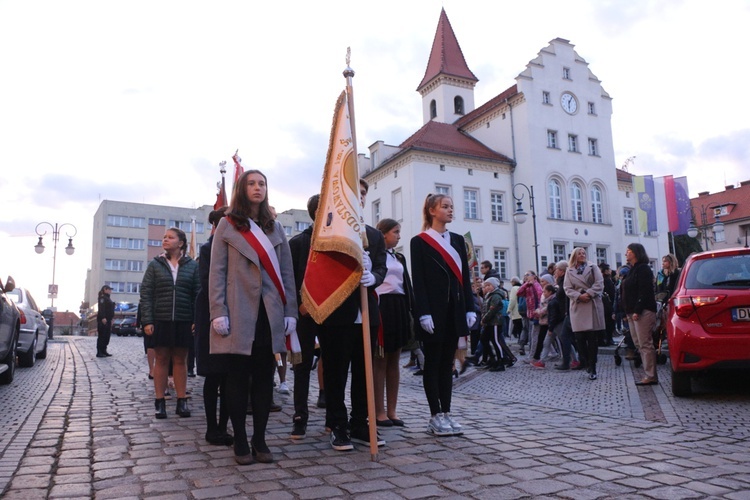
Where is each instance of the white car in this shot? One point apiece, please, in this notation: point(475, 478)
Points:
point(32, 342)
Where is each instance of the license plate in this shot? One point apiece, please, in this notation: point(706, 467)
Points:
point(741, 314)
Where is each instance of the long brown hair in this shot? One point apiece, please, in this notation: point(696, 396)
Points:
point(432, 201)
point(240, 208)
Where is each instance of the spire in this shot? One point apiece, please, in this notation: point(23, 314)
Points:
point(446, 56)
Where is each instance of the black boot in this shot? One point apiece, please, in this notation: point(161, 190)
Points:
point(161, 408)
point(182, 407)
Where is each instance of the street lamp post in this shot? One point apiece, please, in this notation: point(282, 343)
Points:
point(717, 228)
point(520, 216)
point(39, 248)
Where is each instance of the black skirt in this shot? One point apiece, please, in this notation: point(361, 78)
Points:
point(396, 321)
point(172, 334)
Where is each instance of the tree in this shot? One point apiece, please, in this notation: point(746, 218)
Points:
point(684, 245)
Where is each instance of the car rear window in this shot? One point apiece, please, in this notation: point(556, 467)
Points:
point(731, 271)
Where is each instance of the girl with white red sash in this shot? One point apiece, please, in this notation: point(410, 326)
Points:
point(253, 305)
point(443, 306)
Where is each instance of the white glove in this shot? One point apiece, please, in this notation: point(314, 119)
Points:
point(366, 262)
point(290, 324)
point(368, 279)
point(471, 318)
point(427, 324)
point(221, 325)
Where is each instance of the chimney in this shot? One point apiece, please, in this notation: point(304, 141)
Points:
point(702, 194)
point(744, 183)
point(728, 188)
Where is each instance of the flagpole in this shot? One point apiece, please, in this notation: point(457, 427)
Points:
point(349, 74)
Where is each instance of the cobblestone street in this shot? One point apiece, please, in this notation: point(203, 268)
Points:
point(80, 426)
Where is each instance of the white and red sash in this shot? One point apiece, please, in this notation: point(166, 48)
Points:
point(450, 255)
point(263, 247)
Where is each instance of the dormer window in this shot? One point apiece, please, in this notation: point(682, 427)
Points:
point(566, 74)
point(458, 105)
point(433, 109)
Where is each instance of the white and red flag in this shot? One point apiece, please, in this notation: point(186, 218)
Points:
point(238, 169)
point(334, 266)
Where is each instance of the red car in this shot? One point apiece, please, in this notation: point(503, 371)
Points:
point(709, 316)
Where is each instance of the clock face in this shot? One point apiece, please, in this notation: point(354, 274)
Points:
point(569, 103)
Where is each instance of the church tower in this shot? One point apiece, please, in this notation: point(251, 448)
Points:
point(447, 88)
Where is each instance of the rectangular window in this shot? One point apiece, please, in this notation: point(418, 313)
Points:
point(115, 264)
point(501, 262)
point(301, 226)
point(593, 147)
point(288, 230)
point(157, 222)
point(376, 211)
point(117, 242)
point(558, 252)
point(397, 203)
point(116, 286)
point(135, 265)
point(551, 139)
point(601, 255)
point(496, 207)
point(471, 206)
point(441, 189)
point(137, 222)
point(566, 73)
point(135, 244)
point(592, 108)
point(154, 243)
point(199, 228)
point(132, 288)
point(572, 143)
point(629, 220)
point(545, 98)
point(117, 220)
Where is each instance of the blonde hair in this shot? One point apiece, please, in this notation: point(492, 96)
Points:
point(672, 262)
point(573, 261)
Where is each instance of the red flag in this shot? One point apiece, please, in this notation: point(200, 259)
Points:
point(672, 215)
point(221, 195)
point(334, 266)
point(238, 170)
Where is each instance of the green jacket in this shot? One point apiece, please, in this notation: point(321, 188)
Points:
point(493, 308)
point(161, 298)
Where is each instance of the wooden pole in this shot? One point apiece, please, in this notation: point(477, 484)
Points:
point(349, 74)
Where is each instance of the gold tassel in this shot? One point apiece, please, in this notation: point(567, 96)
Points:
point(295, 358)
point(380, 352)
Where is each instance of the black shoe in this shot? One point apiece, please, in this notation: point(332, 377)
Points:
point(464, 366)
point(101, 355)
point(418, 372)
point(299, 430)
point(361, 435)
point(107, 354)
point(522, 352)
point(562, 367)
point(219, 438)
point(161, 408)
point(455, 373)
point(275, 407)
point(321, 399)
point(191, 373)
point(261, 453)
point(340, 440)
point(498, 367)
point(182, 407)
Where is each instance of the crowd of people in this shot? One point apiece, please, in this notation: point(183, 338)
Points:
point(240, 302)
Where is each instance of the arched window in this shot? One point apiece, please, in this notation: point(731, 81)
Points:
point(597, 205)
point(555, 199)
point(458, 105)
point(433, 109)
point(576, 202)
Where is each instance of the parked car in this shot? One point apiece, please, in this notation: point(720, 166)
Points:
point(126, 326)
point(32, 343)
point(10, 328)
point(709, 316)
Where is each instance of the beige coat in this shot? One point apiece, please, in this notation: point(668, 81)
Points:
point(585, 316)
point(236, 283)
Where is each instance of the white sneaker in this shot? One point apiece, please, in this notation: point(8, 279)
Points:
point(455, 426)
point(439, 426)
point(283, 388)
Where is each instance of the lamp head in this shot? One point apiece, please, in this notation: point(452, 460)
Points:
point(70, 248)
point(519, 215)
point(39, 247)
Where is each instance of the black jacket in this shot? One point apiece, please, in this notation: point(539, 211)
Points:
point(637, 290)
point(106, 310)
point(161, 298)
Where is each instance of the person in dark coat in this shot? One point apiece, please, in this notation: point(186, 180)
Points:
point(443, 306)
point(104, 316)
point(213, 368)
point(608, 299)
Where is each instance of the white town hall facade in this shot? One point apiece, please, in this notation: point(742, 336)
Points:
point(550, 133)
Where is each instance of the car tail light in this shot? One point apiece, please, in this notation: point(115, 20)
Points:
point(684, 305)
point(23, 317)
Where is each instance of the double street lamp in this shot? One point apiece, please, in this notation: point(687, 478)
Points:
point(717, 228)
point(520, 215)
point(39, 248)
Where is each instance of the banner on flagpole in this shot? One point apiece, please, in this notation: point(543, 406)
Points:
point(643, 185)
point(334, 266)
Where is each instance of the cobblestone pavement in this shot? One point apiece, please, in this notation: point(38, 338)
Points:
point(80, 426)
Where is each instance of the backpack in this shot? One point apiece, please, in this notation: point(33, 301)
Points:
point(522, 306)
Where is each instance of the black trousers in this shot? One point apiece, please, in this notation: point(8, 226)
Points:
point(104, 332)
point(588, 348)
point(438, 373)
point(341, 348)
point(215, 396)
point(307, 330)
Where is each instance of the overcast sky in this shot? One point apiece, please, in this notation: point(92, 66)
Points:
point(140, 100)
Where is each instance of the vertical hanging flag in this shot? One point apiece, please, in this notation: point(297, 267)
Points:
point(193, 244)
point(678, 204)
point(238, 169)
point(643, 185)
point(334, 266)
point(221, 195)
